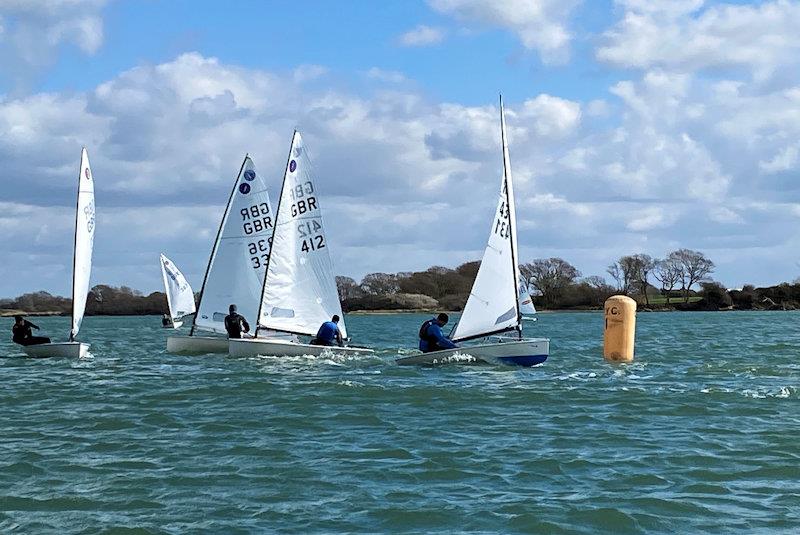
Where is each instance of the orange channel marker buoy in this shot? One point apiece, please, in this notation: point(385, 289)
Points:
point(620, 328)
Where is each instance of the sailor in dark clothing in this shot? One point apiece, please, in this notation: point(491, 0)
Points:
point(23, 335)
point(235, 324)
point(431, 337)
point(329, 334)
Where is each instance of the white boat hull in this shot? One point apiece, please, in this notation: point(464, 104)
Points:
point(252, 347)
point(57, 349)
point(197, 345)
point(526, 353)
point(174, 325)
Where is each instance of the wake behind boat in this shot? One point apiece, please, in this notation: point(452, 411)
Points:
point(299, 291)
point(493, 306)
point(236, 265)
point(81, 268)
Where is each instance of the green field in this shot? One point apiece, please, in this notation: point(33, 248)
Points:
point(661, 300)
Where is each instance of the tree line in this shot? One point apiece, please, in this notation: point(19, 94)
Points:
point(681, 280)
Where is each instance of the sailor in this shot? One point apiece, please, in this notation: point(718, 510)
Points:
point(235, 323)
point(166, 320)
point(329, 334)
point(431, 337)
point(23, 335)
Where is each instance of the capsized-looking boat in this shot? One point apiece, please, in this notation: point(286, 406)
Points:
point(493, 306)
point(81, 268)
point(299, 291)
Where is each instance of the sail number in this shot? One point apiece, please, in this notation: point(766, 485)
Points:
point(301, 190)
point(260, 250)
point(308, 231)
point(304, 205)
point(304, 201)
point(502, 226)
point(256, 218)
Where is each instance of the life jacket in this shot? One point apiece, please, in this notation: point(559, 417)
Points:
point(423, 331)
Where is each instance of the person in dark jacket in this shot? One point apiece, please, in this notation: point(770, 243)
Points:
point(329, 334)
point(431, 337)
point(235, 323)
point(22, 334)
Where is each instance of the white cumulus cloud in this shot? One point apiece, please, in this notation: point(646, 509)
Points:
point(422, 35)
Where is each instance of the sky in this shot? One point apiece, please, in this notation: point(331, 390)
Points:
point(635, 126)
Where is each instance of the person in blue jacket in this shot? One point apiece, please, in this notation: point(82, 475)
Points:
point(329, 334)
point(431, 337)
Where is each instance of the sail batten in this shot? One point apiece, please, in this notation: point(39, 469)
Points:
point(493, 303)
point(84, 243)
point(235, 273)
point(180, 298)
point(300, 286)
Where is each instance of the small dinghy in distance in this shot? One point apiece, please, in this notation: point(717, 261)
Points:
point(180, 298)
point(526, 307)
point(299, 291)
point(493, 306)
point(236, 266)
point(81, 268)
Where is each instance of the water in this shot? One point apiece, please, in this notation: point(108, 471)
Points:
point(700, 434)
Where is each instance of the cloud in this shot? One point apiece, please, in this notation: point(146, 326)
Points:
point(380, 75)
point(407, 180)
point(686, 36)
point(32, 32)
point(422, 35)
point(540, 25)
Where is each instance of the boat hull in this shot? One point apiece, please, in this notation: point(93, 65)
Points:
point(252, 347)
point(525, 353)
point(57, 349)
point(196, 345)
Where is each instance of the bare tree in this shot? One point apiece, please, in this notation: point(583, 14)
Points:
point(625, 272)
point(695, 268)
point(616, 273)
point(669, 272)
point(551, 276)
point(347, 288)
point(380, 284)
point(641, 266)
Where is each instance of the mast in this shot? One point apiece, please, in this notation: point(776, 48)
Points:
point(216, 242)
point(512, 216)
point(75, 247)
point(272, 238)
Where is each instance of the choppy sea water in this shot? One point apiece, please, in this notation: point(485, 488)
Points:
point(700, 434)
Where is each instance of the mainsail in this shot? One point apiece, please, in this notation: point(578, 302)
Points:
point(300, 286)
point(180, 297)
point(526, 307)
point(235, 273)
point(493, 303)
point(84, 242)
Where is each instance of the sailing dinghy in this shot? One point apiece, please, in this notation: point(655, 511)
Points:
point(526, 307)
point(81, 268)
point(236, 266)
point(493, 306)
point(299, 291)
point(180, 298)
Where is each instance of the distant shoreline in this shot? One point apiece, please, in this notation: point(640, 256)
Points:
point(10, 313)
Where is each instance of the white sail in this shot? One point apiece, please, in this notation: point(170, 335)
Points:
point(300, 286)
point(526, 307)
point(493, 304)
point(84, 242)
point(238, 261)
point(180, 297)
